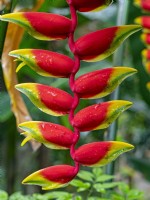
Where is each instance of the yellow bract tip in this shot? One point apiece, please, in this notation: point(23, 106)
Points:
point(138, 20)
point(144, 53)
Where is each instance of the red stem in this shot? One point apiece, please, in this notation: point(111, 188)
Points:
point(72, 79)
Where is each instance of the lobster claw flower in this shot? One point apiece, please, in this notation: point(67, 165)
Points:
point(100, 44)
point(48, 99)
point(146, 38)
point(100, 153)
point(51, 135)
point(45, 63)
point(101, 82)
point(43, 26)
point(147, 67)
point(144, 4)
point(88, 5)
point(52, 177)
point(146, 55)
point(144, 21)
point(99, 116)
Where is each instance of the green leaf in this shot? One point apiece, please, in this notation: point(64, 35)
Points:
point(97, 172)
point(76, 183)
point(97, 198)
point(104, 178)
point(3, 195)
point(19, 196)
point(124, 188)
point(110, 185)
point(117, 197)
point(85, 175)
point(78, 198)
point(98, 188)
point(82, 186)
point(58, 195)
point(102, 187)
point(135, 194)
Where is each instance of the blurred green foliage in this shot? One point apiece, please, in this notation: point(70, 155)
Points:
point(90, 185)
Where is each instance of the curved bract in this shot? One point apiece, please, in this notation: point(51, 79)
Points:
point(52, 135)
point(97, 154)
point(48, 99)
point(102, 82)
point(146, 38)
point(144, 21)
point(99, 116)
point(45, 63)
point(43, 26)
point(144, 4)
point(52, 177)
point(100, 44)
point(88, 5)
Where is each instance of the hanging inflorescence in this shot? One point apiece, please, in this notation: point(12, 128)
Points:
point(91, 47)
point(145, 22)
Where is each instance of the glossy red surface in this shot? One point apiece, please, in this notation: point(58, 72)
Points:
point(92, 153)
point(56, 134)
point(91, 117)
point(148, 54)
point(146, 5)
point(53, 63)
point(87, 5)
point(51, 25)
point(147, 38)
point(92, 83)
point(95, 43)
point(146, 22)
point(55, 99)
point(59, 174)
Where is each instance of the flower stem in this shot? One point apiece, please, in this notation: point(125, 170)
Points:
point(76, 67)
point(117, 61)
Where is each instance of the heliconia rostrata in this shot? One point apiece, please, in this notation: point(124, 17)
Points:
point(91, 47)
point(145, 22)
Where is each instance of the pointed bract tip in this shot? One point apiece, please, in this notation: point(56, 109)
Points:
point(19, 52)
point(138, 20)
point(122, 103)
point(127, 69)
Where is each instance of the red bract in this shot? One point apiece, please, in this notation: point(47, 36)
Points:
point(144, 21)
point(100, 44)
point(101, 82)
point(48, 99)
point(147, 67)
point(99, 116)
point(146, 54)
point(52, 177)
point(45, 63)
point(88, 5)
point(43, 26)
point(146, 38)
point(144, 4)
point(100, 153)
point(51, 135)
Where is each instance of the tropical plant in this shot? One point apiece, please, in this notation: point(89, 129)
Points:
point(92, 47)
